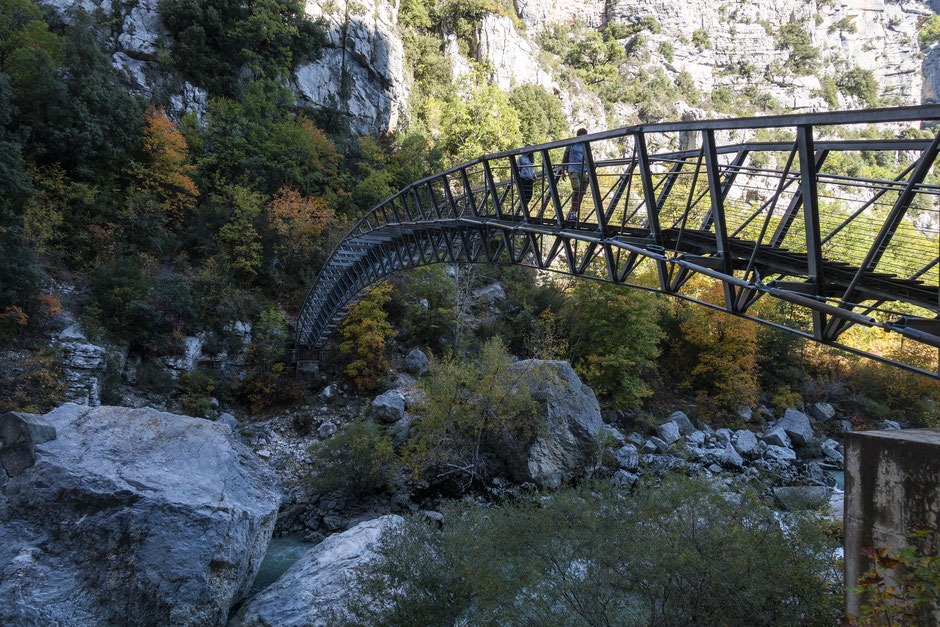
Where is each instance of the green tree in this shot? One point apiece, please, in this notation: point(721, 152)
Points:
point(239, 237)
point(466, 408)
point(356, 460)
point(803, 55)
point(614, 339)
point(477, 119)
point(540, 116)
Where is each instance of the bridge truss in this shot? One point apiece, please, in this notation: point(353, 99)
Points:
point(802, 208)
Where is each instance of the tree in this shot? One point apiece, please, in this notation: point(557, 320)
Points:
point(466, 407)
point(803, 55)
point(540, 116)
point(166, 173)
point(297, 222)
point(614, 339)
point(365, 332)
point(239, 237)
point(477, 119)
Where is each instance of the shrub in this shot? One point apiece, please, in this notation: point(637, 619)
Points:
point(467, 407)
point(861, 84)
point(21, 278)
point(679, 553)
point(667, 50)
point(37, 386)
point(701, 39)
point(357, 459)
point(930, 32)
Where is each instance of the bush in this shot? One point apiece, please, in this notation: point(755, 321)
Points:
point(701, 39)
point(930, 32)
point(684, 552)
point(37, 386)
point(21, 278)
point(467, 409)
point(861, 84)
point(356, 460)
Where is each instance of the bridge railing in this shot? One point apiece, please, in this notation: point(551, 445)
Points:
point(713, 195)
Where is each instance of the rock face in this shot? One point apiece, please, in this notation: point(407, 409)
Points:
point(158, 519)
point(318, 583)
point(569, 419)
point(360, 75)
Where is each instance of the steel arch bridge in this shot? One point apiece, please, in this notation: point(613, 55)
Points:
point(769, 206)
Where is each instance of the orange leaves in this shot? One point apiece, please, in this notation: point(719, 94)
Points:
point(50, 306)
point(167, 176)
point(298, 221)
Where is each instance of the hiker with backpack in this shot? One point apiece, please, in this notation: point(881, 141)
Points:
point(576, 169)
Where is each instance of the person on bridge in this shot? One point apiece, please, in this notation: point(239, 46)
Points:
point(573, 163)
point(526, 178)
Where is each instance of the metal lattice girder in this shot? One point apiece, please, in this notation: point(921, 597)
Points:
point(720, 211)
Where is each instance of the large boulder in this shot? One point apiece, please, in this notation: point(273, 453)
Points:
point(313, 591)
point(389, 406)
point(668, 432)
point(133, 516)
point(682, 422)
point(568, 422)
point(745, 443)
point(796, 425)
point(802, 497)
point(416, 362)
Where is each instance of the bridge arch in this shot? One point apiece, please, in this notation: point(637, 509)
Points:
point(783, 218)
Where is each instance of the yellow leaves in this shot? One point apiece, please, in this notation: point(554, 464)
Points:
point(50, 306)
point(167, 174)
point(365, 332)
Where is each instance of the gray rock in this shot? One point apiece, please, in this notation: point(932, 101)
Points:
point(401, 430)
point(888, 425)
point(796, 424)
point(724, 436)
point(777, 437)
point(729, 457)
point(567, 425)
point(668, 432)
point(661, 445)
point(416, 362)
point(779, 454)
point(649, 446)
point(314, 591)
point(624, 479)
point(326, 430)
point(846, 426)
point(694, 452)
point(389, 407)
point(822, 411)
point(833, 453)
point(491, 294)
point(745, 443)
point(328, 392)
point(159, 519)
point(613, 434)
point(802, 497)
point(19, 435)
point(636, 439)
point(226, 418)
point(697, 438)
point(682, 421)
point(627, 457)
point(745, 413)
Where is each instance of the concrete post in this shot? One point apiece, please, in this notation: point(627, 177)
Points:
point(892, 482)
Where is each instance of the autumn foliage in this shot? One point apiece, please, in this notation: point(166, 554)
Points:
point(365, 332)
point(168, 174)
point(298, 221)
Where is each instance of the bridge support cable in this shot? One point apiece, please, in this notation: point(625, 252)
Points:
point(858, 260)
